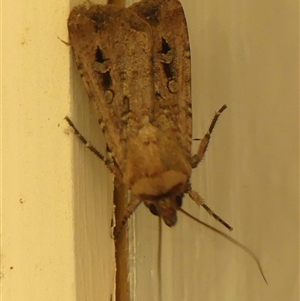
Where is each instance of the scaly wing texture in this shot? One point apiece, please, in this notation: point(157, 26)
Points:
point(113, 51)
point(172, 69)
point(135, 64)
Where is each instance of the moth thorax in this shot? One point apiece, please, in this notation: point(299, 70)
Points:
point(162, 193)
point(167, 184)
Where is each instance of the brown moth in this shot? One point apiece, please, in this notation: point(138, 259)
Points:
point(137, 75)
point(135, 65)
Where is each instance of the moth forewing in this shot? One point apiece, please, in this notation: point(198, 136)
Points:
point(171, 147)
point(107, 41)
point(172, 69)
point(137, 74)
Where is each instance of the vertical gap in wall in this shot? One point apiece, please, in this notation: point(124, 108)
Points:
point(121, 244)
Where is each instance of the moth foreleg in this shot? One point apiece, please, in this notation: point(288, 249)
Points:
point(197, 198)
point(108, 162)
point(205, 141)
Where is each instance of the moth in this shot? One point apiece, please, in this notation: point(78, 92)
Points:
point(136, 67)
point(135, 64)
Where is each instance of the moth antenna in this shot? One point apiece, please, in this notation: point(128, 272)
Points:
point(205, 140)
point(197, 198)
point(243, 247)
point(131, 207)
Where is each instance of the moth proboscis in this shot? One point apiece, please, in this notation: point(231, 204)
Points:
point(135, 65)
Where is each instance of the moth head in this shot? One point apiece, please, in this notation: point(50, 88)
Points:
point(163, 193)
point(166, 208)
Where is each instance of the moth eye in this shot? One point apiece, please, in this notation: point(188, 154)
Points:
point(153, 209)
point(178, 200)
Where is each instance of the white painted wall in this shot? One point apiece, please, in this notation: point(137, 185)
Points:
point(57, 198)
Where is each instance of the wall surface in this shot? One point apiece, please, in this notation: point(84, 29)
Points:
point(57, 197)
point(244, 54)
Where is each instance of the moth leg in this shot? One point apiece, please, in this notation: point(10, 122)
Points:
point(108, 162)
point(205, 141)
point(197, 198)
point(131, 207)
